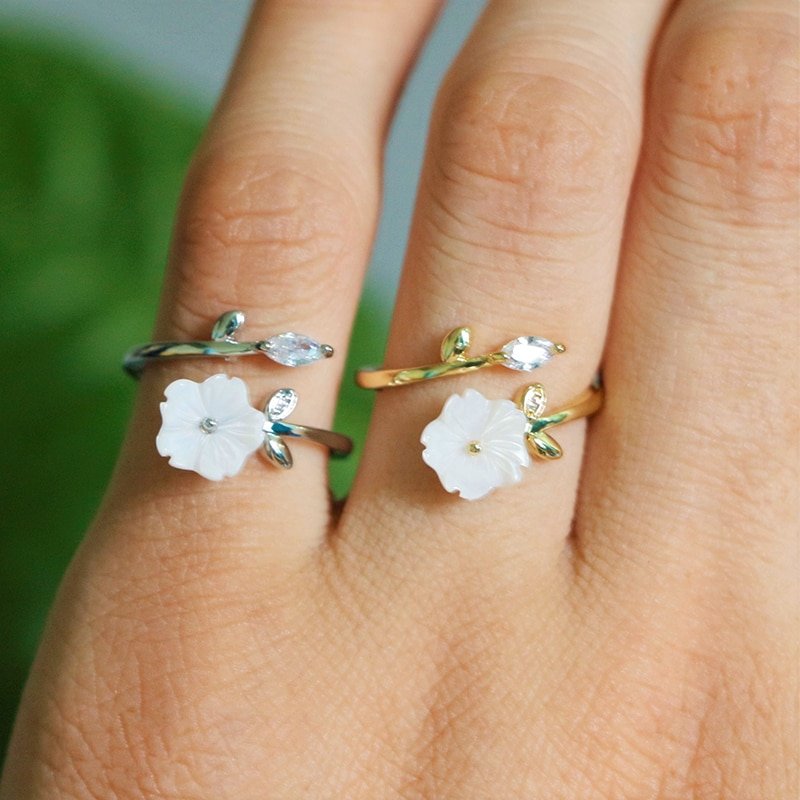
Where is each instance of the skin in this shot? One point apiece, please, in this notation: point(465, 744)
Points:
point(618, 175)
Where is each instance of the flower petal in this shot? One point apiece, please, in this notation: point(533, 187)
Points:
point(438, 433)
point(513, 450)
point(474, 477)
point(506, 471)
point(505, 420)
point(211, 463)
point(247, 428)
point(184, 404)
point(442, 458)
point(219, 458)
point(182, 445)
point(498, 426)
point(467, 414)
point(224, 398)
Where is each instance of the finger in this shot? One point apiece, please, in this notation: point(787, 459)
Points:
point(694, 461)
point(516, 232)
point(277, 219)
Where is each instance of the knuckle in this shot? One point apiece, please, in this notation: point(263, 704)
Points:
point(748, 696)
point(516, 148)
point(271, 226)
point(729, 114)
point(695, 716)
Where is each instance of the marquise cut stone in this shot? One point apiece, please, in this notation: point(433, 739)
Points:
point(528, 352)
point(293, 349)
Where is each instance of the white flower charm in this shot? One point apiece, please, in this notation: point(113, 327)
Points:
point(476, 445)
point(209, 427)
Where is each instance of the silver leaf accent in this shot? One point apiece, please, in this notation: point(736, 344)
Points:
point(276, 451)
point(227, 324)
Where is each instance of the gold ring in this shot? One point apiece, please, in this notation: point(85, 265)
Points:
point(524, 353)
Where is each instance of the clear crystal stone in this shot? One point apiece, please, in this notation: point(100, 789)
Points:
point(294, 349)
point(281, 404)
point(208, 425)
point(528, 352)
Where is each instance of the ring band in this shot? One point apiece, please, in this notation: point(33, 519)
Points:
point(289, 349)
point(524, 353)
point(339, 444)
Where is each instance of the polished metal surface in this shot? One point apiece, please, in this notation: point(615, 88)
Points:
point(279, 406)
point(223, 344)
point(454, 352)
point(533, 400)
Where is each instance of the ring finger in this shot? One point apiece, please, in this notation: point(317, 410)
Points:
point(517, 232)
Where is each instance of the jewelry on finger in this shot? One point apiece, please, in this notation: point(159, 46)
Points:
point(533, 401)
point(524, 353)
point(289, 349)
point(211, 428)
point(477, 445)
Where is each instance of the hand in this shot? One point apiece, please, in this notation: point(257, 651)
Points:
point(623, 624)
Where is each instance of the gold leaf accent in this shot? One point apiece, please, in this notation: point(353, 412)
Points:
point(455, 344)
point(544, 446)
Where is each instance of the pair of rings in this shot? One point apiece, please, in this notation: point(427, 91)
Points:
point(475, 445)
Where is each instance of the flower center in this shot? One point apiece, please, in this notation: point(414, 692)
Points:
point(473, 448)
point(208, 425)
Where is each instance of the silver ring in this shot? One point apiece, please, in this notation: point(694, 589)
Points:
point(289, 349)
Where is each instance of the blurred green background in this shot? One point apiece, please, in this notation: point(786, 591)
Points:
point(91, 162)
